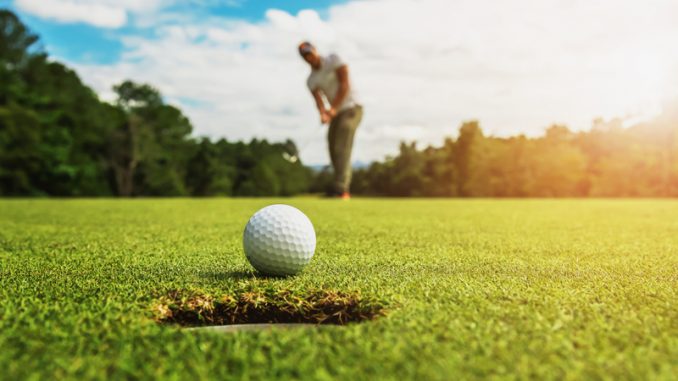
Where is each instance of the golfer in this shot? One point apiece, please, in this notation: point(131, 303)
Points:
point(329, 83)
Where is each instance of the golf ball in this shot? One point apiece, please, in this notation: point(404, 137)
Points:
point(279, 240)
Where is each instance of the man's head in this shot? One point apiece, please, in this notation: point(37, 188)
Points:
point(309, 54)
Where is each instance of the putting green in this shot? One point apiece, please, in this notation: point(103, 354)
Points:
point(542, 289)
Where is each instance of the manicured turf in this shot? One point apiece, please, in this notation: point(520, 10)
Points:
point(538, 289)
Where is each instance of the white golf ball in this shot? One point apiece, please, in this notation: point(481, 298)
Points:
point(279, 240)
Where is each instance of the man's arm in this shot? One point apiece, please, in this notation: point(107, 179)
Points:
point(342, 77)
point(320, 104)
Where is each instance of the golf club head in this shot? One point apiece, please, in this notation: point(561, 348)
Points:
point(290, 158)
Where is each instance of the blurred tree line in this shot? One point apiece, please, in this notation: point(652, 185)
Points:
point(57, 138)
point(608, 161)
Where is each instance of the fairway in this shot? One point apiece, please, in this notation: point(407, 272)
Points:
point(472, 289)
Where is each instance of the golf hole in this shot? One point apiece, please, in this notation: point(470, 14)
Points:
point(265, 309)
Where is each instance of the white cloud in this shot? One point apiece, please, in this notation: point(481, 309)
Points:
point(99, 13)
point(421, 67)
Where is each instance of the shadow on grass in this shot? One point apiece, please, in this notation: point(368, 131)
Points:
point(237, 275)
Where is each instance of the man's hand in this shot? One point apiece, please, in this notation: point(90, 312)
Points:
point(325, 117)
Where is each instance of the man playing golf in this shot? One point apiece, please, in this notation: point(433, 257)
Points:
point(329, 82)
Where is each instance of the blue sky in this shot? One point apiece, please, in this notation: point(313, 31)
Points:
point(85, 43)
point(77, 42)
point(419, 67)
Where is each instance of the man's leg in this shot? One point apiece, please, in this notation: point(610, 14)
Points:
point(331, 139)
point(341, 145)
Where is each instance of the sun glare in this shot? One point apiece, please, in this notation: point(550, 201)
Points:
point(643, 86)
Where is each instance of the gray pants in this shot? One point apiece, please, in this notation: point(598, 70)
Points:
point(340, 140)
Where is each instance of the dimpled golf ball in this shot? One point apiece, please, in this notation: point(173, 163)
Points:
point(279, 240)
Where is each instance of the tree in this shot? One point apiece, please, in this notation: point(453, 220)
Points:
point(147, 150)
point(58, 138)
point(19, 162)
point(465, 152)
point(610, 160)
point(64, 119)
point(206, 174)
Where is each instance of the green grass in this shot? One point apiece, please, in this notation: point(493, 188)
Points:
point(541, 289)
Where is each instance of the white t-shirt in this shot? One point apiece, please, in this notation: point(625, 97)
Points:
point(325, 79)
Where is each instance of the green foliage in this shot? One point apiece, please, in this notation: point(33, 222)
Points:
point(152, 146)
point(607, 161)
point(207, 174)
point(323, 182)
point(262, 169)
point(53, 129)
point(16, 41)
point(474, 289)
point(57, 138)
point(19, 162)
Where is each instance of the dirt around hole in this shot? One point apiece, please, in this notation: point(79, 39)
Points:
point(193, 308)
